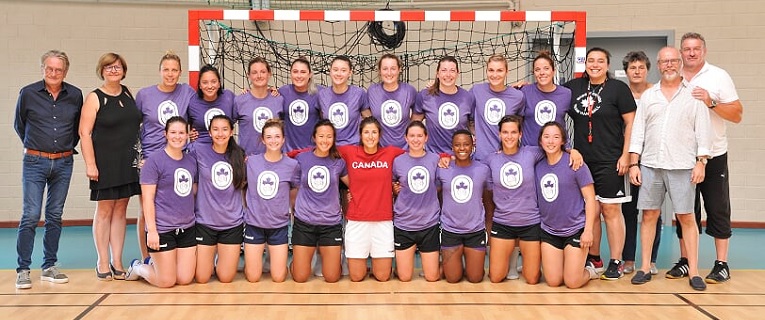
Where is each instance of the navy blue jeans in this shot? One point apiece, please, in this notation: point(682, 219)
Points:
point(37, 174)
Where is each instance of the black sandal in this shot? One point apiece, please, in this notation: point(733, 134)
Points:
point(103, 276)
point(117, 274)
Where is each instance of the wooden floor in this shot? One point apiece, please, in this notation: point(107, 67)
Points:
point(86, 298)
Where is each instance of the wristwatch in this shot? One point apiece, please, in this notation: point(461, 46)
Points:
point(702, 160)
point(713, 105)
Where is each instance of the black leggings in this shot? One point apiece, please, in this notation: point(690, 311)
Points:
point(630, 211)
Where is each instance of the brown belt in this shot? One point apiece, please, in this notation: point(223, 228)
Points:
point(51, 156)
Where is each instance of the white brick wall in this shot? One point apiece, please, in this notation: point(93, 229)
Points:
point(735, 33)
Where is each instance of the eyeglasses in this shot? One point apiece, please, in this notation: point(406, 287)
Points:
point(114, 68)
point(49, 70)
point(669, 61)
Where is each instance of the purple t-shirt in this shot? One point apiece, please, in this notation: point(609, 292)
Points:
point(156, 107)
point(462, 189)
point(268, 191)
point(444, 114)
point(174, 200)
point(561, 205)
point(542, 107)
point(514, 186)
point(251, 113)
point(318, 199)
point(301, 112)
point(490, 107)
point(218, 203)
point(416, 206)
point(201, 112)
point(393, 110)
point(344, 110)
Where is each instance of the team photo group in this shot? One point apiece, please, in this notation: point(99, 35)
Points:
point(305, 181)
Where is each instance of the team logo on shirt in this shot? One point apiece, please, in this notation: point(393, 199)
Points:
point(182, 182)
point(259, 117)
point(209, 114)
point(493, 111)
point(338, 114)
point(418, 179)
point(544, 112)
point(166, 110)
point(448, 115)
point(318, 179)
point(462, 188)
point(511, 175)
point(582, 103)
point(298, 111)
point(268, 184)
point(222, 175)
point(549, 186)
point(391, 113)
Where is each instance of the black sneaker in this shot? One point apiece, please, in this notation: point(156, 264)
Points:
point(720, 273)
point(680, 270)
point(697, 283)
point(615, 270)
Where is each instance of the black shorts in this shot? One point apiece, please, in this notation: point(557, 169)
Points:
point(562, 242)
point(525, 233)
point(475, 240)
point(207, 236)
point(610, 187)
point(257, 235)
point(426, 240)
point(176, 239)
point(304, 234)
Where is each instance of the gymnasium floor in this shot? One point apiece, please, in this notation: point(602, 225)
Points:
point(86, 298)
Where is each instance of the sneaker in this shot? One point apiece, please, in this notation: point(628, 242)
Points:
point(22, 280)
point(132, 272)
point(654, 270)
point(316, 265)
point(598, 265)
point(148, 261)
point(51, 274)
point(591, 270)
point(641, 277)
point(697, 283)
point(680, 270)
point(615, 270)
point(629, 269)
point(719, 274)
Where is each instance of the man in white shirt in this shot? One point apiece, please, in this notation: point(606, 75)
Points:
point(670, 137)
point(714, 87)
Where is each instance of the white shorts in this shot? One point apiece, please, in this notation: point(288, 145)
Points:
point(369, 238)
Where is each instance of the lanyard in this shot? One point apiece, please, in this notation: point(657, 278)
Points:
point(591, 105)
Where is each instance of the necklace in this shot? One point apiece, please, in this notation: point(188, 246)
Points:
point(591, 105)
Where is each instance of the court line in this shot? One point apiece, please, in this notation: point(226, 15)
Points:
point(697, 307)
point(92, 306)
point(385, 293)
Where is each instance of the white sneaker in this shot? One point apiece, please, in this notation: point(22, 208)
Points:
point(132, 272)
point(344, 265)
point(316, 263)
point(593, 273)
point(654, 270)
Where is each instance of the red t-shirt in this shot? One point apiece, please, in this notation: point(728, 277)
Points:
point(371, 179)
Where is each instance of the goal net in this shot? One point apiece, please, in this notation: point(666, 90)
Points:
point(229, 39)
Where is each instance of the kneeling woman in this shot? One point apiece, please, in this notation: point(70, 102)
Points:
point(463, 229)
point(318, 219)
point(168, 188)
point(274, 177)
point(219, 210)
point(568, 211)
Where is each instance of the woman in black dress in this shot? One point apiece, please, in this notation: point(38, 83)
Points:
point(109, 127)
